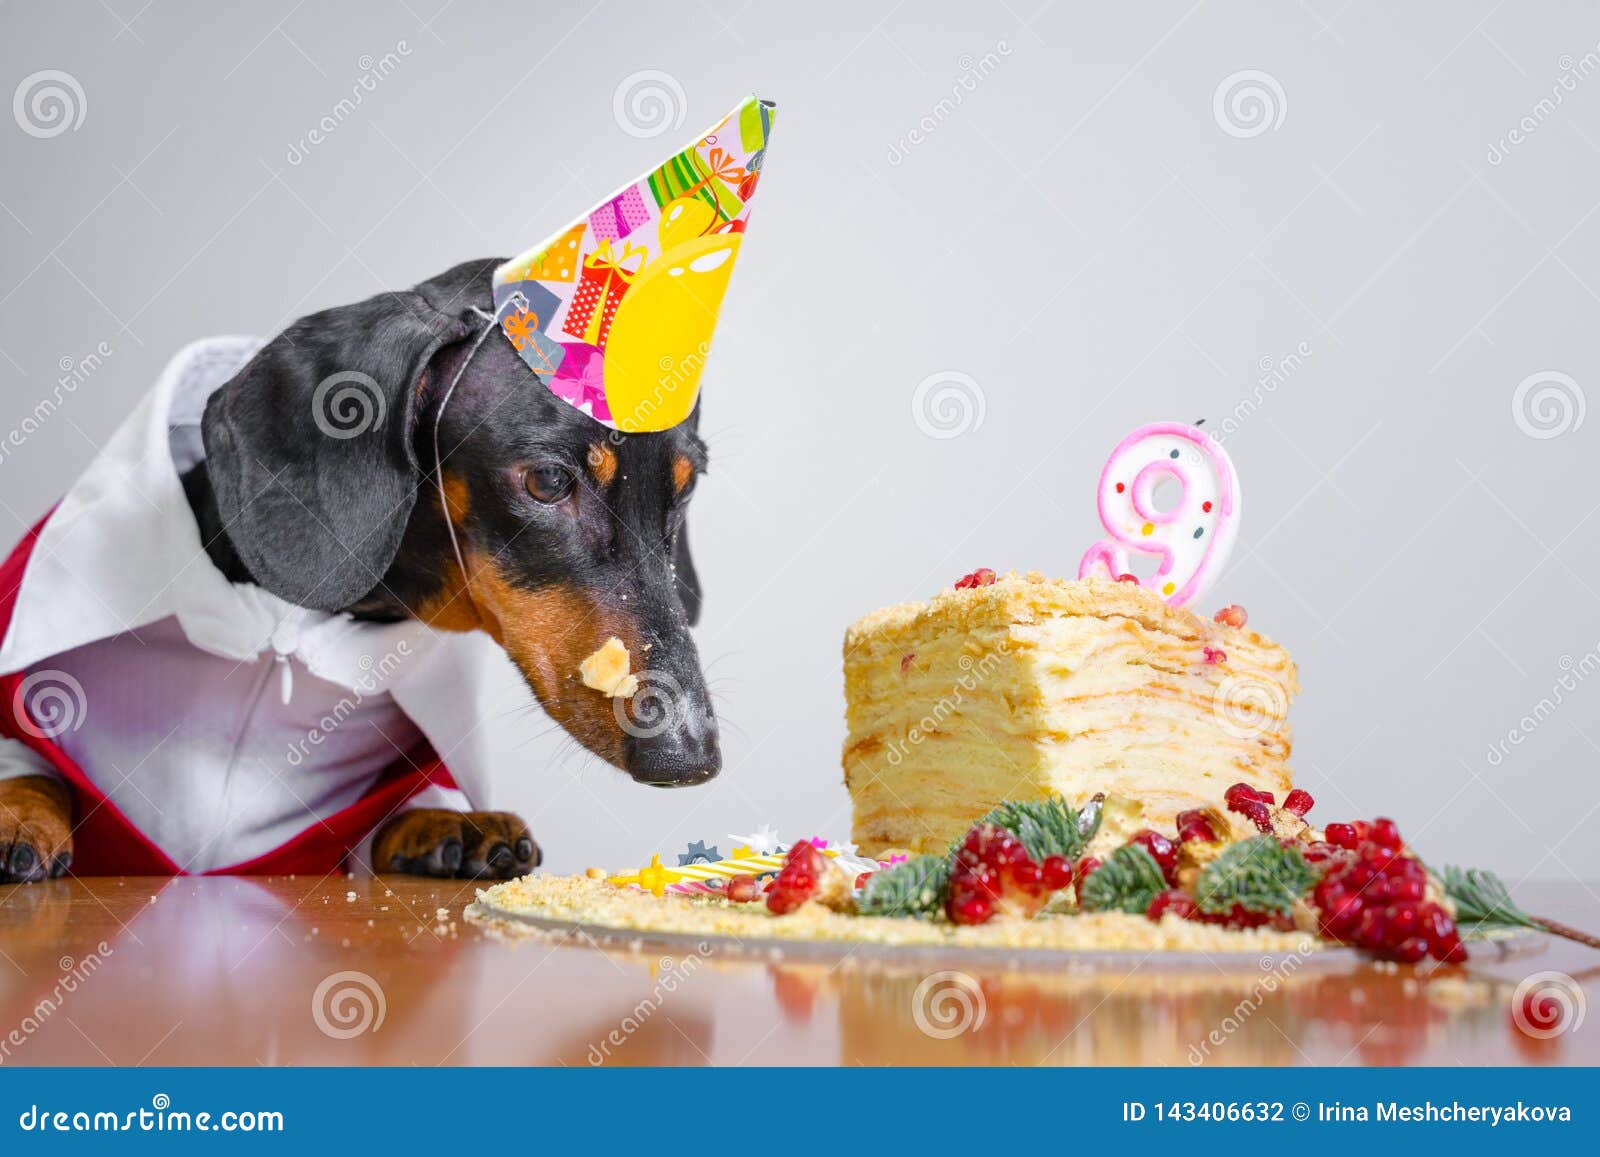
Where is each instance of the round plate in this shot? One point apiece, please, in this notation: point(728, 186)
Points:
point(1330, 957)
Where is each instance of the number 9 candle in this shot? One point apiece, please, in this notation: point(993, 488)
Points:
point(1193, 537)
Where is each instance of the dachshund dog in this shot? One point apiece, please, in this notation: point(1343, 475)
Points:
point(544, 529)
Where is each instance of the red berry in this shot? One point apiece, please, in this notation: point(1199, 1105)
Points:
point(1082, 869)
point(1161, 850)
point(1057, 872)
point(1174, 901)
point(981, 577)
point(1231, 616)
point(1214, 655)
point(743, 889)
point(1128, 578)
point(1195, 825)
point(1299, 802)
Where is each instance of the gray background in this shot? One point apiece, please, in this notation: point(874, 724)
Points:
point(1077, 233)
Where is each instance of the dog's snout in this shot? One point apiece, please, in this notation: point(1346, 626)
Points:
point(680, 756)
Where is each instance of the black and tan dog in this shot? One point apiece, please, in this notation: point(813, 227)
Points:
point(569, 533)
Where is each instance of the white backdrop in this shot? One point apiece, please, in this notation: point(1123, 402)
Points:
point(1377, 269)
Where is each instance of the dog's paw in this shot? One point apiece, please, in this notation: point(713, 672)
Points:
point(35, 830)
point(456, 845)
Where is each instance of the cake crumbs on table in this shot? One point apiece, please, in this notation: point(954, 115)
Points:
point(602, 907)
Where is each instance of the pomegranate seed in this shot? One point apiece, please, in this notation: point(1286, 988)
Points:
point(1128, 578)
point(1161, 850)
point(969, 909)
point(1215, 655)
point(743, 889)
point(1385, 834)
point(1341, 836)
point(1057, 872)
point(981, 577)
point(1240, 794)
point(1174, 901)
point(861, 880)
point(1231, 616)
point(1410, 950)
point(1082, 869)
point(797, 880)
point(1299, 802)
point(1195, 825)
point(905, 661)
point(1456, 954)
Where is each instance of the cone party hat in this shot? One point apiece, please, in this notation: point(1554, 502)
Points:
point(615, 313)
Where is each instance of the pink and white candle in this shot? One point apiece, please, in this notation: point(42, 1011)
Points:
point(1193, 536)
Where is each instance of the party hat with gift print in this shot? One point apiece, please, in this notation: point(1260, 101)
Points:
point(615, 313)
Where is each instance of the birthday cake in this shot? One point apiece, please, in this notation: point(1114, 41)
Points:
point(1022, 687)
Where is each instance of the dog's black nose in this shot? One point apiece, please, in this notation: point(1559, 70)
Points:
point(679, 757)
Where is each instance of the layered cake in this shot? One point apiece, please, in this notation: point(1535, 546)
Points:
point(1022, 687)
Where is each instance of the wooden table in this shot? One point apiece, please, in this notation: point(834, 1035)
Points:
point(341, 971)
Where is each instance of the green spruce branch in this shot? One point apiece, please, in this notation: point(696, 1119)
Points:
point(1258, 875)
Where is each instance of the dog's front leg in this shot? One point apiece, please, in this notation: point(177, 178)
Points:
point(448, 844)
point(35, 829)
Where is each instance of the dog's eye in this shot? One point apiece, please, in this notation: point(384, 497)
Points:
point(548, 484)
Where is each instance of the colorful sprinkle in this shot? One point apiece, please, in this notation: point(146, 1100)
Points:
point(1148, 529)
point(1120, 488)
point(1174, 454)
point(1199, 530)
point(1206, 506)
point(1169, 588)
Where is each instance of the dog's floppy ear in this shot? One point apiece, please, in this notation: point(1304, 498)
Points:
point(684, 572)
point(309, 447)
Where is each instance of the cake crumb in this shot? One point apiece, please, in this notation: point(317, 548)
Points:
point(607, 670)
point(595, 873)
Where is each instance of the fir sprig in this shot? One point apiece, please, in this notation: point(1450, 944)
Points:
point(1047, 827)
point(1483, 901)
point(1484, 904)
point(914, 888)
point(1258, 875)
point(1126, 882)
